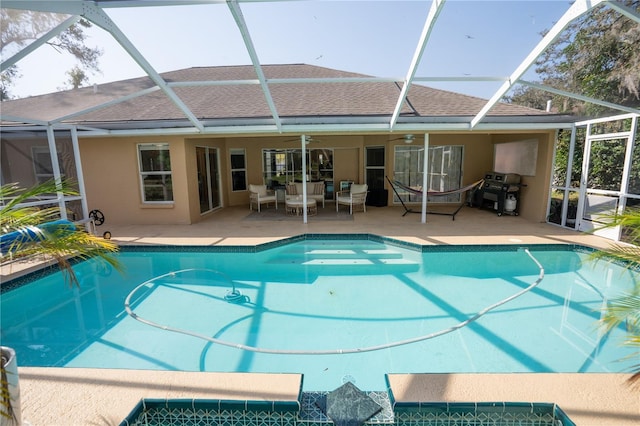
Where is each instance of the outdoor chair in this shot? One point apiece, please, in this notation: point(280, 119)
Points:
point(258, 195)
point(355, 196)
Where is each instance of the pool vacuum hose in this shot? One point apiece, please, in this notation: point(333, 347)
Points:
point(234, 296)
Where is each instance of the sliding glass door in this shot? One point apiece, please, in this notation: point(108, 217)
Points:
point(444, 174)
point(280, 166)
point(208, 178)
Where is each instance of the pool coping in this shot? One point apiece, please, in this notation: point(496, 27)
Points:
point(41, 270)
point(73, 396)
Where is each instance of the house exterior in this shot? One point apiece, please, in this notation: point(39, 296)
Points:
point(142, 157)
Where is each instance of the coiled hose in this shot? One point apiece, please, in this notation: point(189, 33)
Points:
point(458, 326)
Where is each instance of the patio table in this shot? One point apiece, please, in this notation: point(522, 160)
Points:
point(294, 206)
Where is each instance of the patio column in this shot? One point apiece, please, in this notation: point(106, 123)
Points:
point(425, 178)
point(303, 141)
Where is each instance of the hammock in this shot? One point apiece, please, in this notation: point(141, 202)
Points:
point(404, 187)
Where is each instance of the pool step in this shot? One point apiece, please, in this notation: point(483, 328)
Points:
point(343, 257)
point(333, 261)
point(351, 253)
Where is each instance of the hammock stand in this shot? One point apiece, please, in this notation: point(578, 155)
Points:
point(431, 194)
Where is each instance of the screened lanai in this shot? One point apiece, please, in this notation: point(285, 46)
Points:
point(485, 50)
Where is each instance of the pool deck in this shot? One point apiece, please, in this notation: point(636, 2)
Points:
point(52, 396)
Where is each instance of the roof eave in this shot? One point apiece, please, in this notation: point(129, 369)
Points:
point(320, 124)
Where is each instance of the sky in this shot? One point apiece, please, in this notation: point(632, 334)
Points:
point(377, 38)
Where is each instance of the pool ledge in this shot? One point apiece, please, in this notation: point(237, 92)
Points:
point(587, 398)
point(80, 396)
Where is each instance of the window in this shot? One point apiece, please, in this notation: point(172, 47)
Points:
point(280, 166)
point(238, 170)
point(155, 173)
point(42, 167)
point(445, 170)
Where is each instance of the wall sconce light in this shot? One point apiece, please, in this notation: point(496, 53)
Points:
point(409, 138)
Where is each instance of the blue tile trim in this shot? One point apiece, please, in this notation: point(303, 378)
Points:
point(562, 417)
point(136, 413)
point(27, 278)
point(251, 413)
point(196, 413)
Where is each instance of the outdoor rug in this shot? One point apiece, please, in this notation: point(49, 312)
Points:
point(271, 214)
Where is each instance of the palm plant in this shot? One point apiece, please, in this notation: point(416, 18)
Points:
point(25, 234)
point(35, 238)
point(625, 309)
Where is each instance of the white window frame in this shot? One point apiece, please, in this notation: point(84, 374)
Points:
point(37, 152)
point(164, 146)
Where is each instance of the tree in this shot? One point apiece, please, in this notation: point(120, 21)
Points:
point(77, 77)
point(597, 56)
point(21, 27)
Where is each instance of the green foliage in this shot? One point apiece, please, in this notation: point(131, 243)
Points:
point(626, 308)
point(6, 408)
point(59, 244)
point(597, 56)
point(21, 27)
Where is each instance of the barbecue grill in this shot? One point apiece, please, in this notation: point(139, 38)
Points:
point(500, 192)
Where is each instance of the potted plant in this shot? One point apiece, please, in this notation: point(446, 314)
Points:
point(10, 413)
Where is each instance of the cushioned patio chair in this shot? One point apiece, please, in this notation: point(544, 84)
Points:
point(315, 191)
point(258, 195)
point(355, 196)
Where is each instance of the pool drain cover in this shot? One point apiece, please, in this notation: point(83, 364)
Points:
point(348, 406)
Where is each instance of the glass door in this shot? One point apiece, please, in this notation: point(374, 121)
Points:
point(608, 176)
point(604, 160)
point(208, 178)
point(280, 166)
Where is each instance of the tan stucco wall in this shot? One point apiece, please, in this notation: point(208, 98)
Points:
point(112, 180)
point(534, 196)
point(113, 184)
point(347, 158)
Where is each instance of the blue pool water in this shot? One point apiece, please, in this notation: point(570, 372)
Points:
point(325, 295)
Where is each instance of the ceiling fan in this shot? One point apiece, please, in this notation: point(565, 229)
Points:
point(408, 138)
point(307, 139)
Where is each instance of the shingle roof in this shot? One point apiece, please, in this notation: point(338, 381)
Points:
point(240, 100)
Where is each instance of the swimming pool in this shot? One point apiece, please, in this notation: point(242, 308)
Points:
point(315, 294)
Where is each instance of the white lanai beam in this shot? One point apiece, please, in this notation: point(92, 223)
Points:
point(91, 11)
point(434, 11)
point(39, 42)
point(577, 9)
point(244, 31)
point(98, 17)
point(580, 97)
point(625, 10)
point(57, 175)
